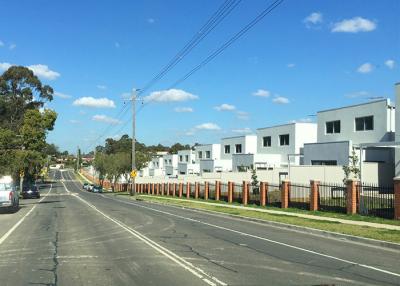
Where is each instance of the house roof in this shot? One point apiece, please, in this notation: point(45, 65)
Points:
point(387, 100)
point(287, 124)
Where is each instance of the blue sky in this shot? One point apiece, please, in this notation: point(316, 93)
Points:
point(303, 57)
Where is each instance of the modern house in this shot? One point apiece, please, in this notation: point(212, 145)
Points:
point(281, 144)
point(208, 156)
point(170, 164)
point(156, 166)
point(341, 130)
point(237, 150)
point(187, 162)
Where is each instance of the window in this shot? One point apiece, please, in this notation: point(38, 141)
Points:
point(165, 161)
point(332, 127)
point(324, 162)
point(267, 141)
point(170, 161)
point(187, 158)
point(208, 154)
point(284, 140)
point(180, 158)
point(364, 123)
point(200, 154)
point(227, 149)
point(238, 148)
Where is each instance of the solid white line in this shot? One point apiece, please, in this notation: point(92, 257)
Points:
point(164, 251)
point(8, 233)
point(270, 240)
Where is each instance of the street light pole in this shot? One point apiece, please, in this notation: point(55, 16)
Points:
point(132, 190)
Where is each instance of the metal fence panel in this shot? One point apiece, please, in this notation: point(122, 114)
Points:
point(237, 193)
point(254, 195)
point(211, 191)
point(274, 195)
point(376, 200)
point(299, 196)
point(224, 192)
point(202, 190)
point(332, 197)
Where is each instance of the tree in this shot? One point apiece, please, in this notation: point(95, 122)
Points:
point(100, 164)
point(254, 181)
point(352, 170)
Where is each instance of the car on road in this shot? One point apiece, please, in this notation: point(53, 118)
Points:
point(97, 189)
point(9, 198)
point(90, 187)
point(85, 186)
point(29, 192)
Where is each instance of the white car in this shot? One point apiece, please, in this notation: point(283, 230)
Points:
point(8, 194)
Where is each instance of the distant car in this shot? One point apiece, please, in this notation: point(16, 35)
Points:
point(29, 192)
point(97, 189)
point(85, 186)
point(9, 198)
point(90, 188)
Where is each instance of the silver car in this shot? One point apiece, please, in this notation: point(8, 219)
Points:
point(9, 198)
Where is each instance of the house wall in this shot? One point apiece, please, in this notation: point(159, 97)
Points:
point(249, 145)
point(383, 123)
point(336, 151)
point(184, 153)
point(397, 137)
point(215, 152)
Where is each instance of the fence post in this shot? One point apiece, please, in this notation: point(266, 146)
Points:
point(162, 189)
point(397, 198)
point(351, 201)
point(230, 192)
point(217, 190)
point(245, 193)
point(157, 189)
point(314, 195)
point(180, 190)
point(285, 194)
point(188, 190)
point(196, 190)
point(263, 193)
point(174, 190)
point(206, 186)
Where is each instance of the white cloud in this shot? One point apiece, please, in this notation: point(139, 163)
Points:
point(291, 65)
point(43, 71)
point(242, 115)
point(106, 119)
point(5, 66)
point(208, 126)
point(390, 63)
point(170, 95)
point(1, 44)
point(225, 107)
point(126, 95)
point(242, 130)
point(102, 87)
point(354, 25)
point(190, 133)
point(73, 121)
point(280, 100)
point(94, 102)
point(12, 46)
point(356, 94)
point(183, 109)
point(262, 93)
point(61, 95)
point(151, 20)
point(313, 19)
point(117, 45)
point(365, 68)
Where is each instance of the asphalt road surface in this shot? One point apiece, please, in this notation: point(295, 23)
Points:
point(72, 237)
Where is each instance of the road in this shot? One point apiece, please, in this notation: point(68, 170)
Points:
point(72, 237)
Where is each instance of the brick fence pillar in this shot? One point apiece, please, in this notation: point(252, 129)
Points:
point(314, 195)
point(162, 189)
point(396, 182)
point(351, 201)
point(180, 191)
point(196, 190)
point(263, 193)
point(206, 189)
point(245, 193)
point(157, 189)
point(188, 190)
point(285, 194)
point(230, 192)
point(217, 190)
point(174, 190)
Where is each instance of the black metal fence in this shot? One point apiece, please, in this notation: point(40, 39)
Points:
point(224, 192)
point(332, 197)
point(299, 196)
point(376, 200)
point(211, 191)
point(254, 195)
point(202, 190)
point(237, 193)
point(274, 195)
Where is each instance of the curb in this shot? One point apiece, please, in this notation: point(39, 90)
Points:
point(323, 233)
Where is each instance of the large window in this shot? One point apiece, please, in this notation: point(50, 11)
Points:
point(267, 141)
point(227, 149)
point(200, 155)
point(208, 154)
point(180, 158)
point(284, 139)
point(324, 162)
point(332, 127)
point(364, 123)
point(187, 158)
point(238, 148)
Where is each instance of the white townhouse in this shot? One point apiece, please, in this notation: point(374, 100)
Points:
point(187, 162)
point(397, 128)
point(341, 130)
point(281, 144)
point(156, 166)
point(170, 164)
point(208, 156)
point(237, 149)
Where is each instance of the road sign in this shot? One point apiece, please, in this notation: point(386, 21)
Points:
point(133, 174)
point(21, 174)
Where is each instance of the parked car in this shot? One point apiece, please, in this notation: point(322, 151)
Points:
point(85, 186)
point(29, 192)
point(90, 188)
point(9, 198)
point(97, 189)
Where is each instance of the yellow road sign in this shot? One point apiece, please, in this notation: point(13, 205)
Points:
point(21, 174)
point(133, 174)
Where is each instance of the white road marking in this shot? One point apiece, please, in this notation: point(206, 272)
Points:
point(269, 240)
point(8, 233)
point(196, 271)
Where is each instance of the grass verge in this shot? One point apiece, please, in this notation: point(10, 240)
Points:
point(355, 230)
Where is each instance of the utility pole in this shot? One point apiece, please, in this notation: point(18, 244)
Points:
point(132, 190)
point(77, 159)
